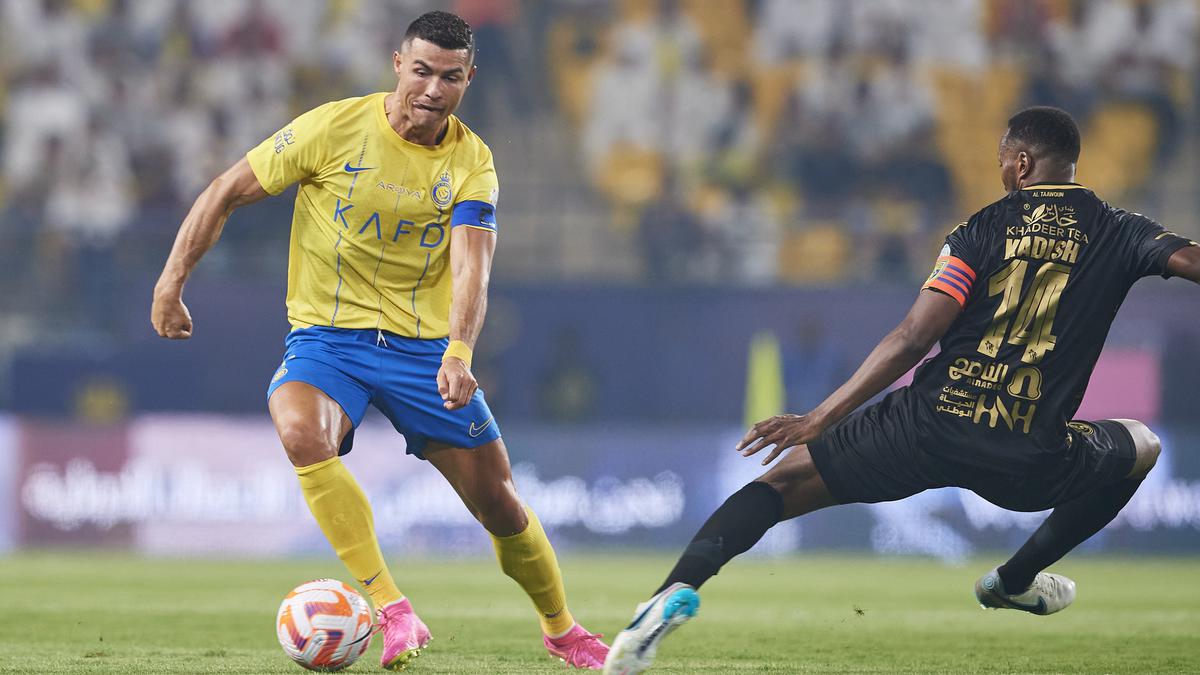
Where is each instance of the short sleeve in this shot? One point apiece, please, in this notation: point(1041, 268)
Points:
point(1151, 245)
point(294, 153)
point(955, 270)
point(481, 185)
point(476, 204)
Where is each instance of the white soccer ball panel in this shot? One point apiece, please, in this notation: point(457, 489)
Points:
point(324, 625)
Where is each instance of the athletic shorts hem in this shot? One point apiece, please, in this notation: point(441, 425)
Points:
point(819, 452)
point(312, 382)
point(416, 447)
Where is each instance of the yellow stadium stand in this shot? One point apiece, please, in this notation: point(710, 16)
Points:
point(816, 255)
point(1118, 149)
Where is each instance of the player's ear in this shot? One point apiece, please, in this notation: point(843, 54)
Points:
point(1024, 166)
point(397, 61)
point(471, 73)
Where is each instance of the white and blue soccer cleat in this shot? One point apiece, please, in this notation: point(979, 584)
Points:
point(1049, 593)
point(634, 649)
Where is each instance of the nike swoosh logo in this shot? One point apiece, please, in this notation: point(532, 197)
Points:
point(356, 169)
point(1038, 608)
point(638, 619)
point(367, 582)
point(474, 431)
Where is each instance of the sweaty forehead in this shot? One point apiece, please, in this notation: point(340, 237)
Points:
point(438, 58)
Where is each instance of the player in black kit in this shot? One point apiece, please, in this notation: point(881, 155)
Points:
point(1021, 298)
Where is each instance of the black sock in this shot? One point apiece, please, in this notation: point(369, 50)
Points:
point(732, 529)
point(1067, 526)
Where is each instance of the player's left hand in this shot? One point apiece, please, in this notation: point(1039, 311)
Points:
point(782, 431)
point(456, 384)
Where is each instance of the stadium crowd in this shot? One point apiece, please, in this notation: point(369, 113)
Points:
point(725, 141)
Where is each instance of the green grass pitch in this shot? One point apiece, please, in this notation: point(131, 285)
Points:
point(107, 613)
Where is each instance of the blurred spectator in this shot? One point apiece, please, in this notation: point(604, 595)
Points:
point(624, 105)
point(504, 80)
point(871, 118)
point(89, 204)
point(789, 30)
point(745, 236)
point(671, 237)
point(1147, 45)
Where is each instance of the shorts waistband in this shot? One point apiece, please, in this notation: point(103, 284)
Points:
point(380, 338)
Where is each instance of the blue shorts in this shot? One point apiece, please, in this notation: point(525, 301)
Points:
point(398, 375)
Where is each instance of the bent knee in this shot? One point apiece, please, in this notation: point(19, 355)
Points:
point(305, 443)
point(1146, 445)
point(794, 468)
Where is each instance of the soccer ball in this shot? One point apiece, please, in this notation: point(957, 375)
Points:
point(324, 625)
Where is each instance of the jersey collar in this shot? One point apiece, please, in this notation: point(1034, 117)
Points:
point(1054, 186)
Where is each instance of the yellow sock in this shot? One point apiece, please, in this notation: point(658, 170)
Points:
point(342, 511)
point(529, 559)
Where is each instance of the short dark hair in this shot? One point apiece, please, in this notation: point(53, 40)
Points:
point(1052, 131)
point(446, 30)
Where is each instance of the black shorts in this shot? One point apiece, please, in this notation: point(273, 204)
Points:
point(883, 453)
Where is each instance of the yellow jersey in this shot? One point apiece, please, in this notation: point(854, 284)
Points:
point(371, 229)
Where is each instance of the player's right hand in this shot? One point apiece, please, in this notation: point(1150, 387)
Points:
point(170, 317)
point(781, 431)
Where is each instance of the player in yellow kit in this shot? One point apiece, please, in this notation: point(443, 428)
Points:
point(395, 215)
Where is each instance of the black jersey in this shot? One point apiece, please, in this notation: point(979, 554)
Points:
point(1040, 274)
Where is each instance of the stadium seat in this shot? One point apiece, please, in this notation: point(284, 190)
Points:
point(571, 70)
point(725, 30)
point(772, 86)
point(631, 176)
point(815, 255)
point(1119, 143)
point(973, 110)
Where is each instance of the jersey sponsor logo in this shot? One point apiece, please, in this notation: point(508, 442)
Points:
point(965, 398)
point(402, 190)
point(356, 169)
point(474, 431)
point(432, 234)
point(442, 192)
point(1057, 214)
point(1048, 233)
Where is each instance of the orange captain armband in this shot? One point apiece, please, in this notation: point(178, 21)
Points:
point(953, 277)
point(458, 350)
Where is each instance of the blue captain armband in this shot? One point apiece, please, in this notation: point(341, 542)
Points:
point(474, 213)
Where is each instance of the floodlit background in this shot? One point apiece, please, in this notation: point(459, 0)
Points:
point(710, 211)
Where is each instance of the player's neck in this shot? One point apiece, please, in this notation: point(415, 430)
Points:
point(1054, 176)
point(403, 125)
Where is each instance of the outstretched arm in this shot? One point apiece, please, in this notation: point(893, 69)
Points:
point(927, 321)
point(1185, 263)
point(471, 252)
point(201, 228)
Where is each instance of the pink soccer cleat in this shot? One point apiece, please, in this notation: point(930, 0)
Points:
point(578, 648)
point(404, 634)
